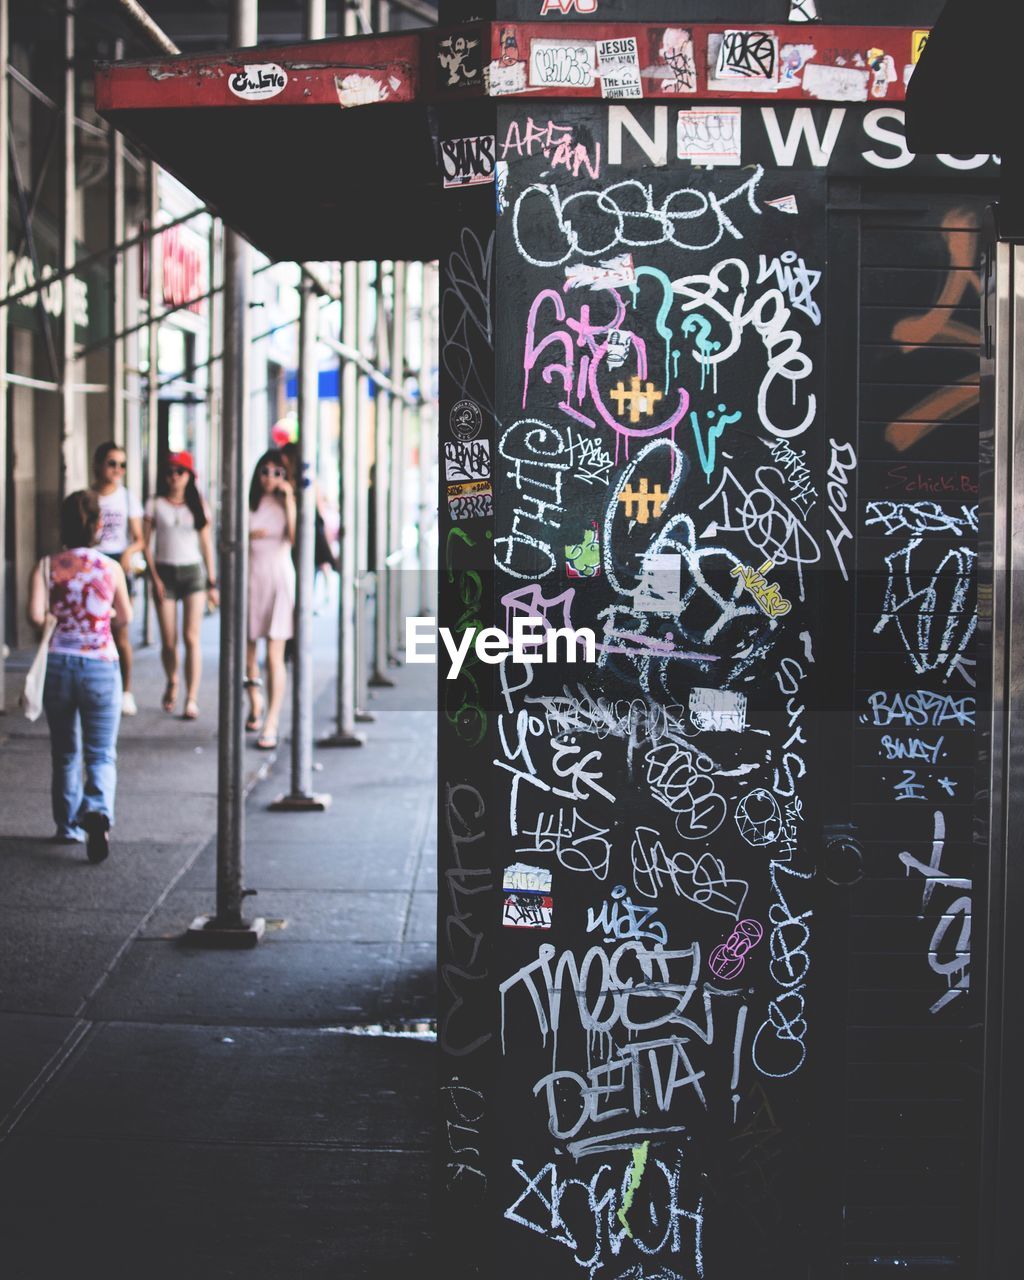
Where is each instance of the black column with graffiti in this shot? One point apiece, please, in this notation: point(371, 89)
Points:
point(659, 463)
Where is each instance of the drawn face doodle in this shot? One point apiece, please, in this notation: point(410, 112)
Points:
point(617, 348)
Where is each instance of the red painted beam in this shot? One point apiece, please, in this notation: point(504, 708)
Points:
point(345, 73)
point(808, 62)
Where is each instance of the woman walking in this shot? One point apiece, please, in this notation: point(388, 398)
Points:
point(120, 538)
point(271, 590)
point(86, 593)
point(179, 553)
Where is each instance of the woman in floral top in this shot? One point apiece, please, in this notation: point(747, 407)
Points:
point(85, 591)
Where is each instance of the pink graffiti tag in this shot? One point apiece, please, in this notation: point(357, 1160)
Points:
point(729, 957)
point(580, 380)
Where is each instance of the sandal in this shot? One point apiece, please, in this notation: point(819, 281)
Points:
point(191, 711)
point(253, 720)
point(170, 696)
point(264, 743)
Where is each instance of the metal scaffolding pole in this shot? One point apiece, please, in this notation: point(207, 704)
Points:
point(362, 530)
point(396, 459)
point(301, 795)
point(381, 507)
point(345, 732)
point(68, 228)
point(150, 447)
point(228, 928)
point(4, 215)
point(428, 443)
point(117, 277)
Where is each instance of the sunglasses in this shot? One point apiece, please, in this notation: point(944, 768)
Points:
point(116, 466)
point(177, 471)
point(277, 472)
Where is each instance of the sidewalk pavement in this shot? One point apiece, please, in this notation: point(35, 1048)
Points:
point(168, 1111)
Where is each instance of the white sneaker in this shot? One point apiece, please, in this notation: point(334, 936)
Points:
point(129, 707)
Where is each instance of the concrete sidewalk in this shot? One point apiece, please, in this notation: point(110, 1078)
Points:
point(169, 1111)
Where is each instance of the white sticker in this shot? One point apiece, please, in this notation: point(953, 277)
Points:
point(784, 204)
point(570, 66)
point(257, 81)
point(709, 135)
point(736, 82)
point(520, 877)
point(748, 55)
point(611, 273)
point(835, 84)
point(501, 186)
point(618, 63)
point(658, 588)
point(467, 162)
point(358, 90)
point(500, 78)
point(718, 710)
point(526, 911)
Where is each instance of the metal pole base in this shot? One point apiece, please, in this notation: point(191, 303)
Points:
point(365, 717)
point(343, 740)
point(380, 681)
point(204, 931)
point(299, 803)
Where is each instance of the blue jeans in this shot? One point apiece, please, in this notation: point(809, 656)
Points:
point(82, 701)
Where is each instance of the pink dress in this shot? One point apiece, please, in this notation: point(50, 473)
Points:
point(271, 573)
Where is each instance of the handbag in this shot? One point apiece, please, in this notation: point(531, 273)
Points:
point(32, 695)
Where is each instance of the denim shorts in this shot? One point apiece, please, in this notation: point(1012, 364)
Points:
point(181, 580)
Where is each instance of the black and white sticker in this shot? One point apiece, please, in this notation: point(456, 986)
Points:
point(465, 420)
point(467, 162)
point(258, 81)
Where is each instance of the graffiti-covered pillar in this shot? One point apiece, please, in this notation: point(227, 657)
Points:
point(632, 351)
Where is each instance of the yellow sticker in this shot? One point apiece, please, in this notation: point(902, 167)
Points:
point(917, 44)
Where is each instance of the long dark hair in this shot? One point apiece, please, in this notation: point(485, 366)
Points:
point(272, 458)
point(79, 519)
point(193, 498)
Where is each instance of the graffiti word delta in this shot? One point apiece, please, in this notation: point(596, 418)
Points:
point(493, 645)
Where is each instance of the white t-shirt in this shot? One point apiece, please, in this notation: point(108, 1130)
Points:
point(116, 509)
point(177, 541)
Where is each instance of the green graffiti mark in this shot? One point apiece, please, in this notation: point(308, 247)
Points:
point(636, 1172)
point(584, 557)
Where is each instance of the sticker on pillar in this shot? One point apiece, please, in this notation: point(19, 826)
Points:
point(836, 84)
point(709, 135)
point(360, 90)
point(467, 460)
point(566, 7)
point(459, 60)
point(618, 66)
point(658, 588)
point(583, 558)
point(610, 273)
point(472, 500)
point(747, 55)
point(792, 60)
point(501, 79)
point(674, 67)
point(558, 64)
point(767, 595)
point(883, 72)
point(501, 186)
point(526, 911)
point(784, 204)
point(467, 162)
point(718, 710)
point(918, 41)
point(255, 82)
point(527, 892)
point(803, 11)
point(465, 420)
